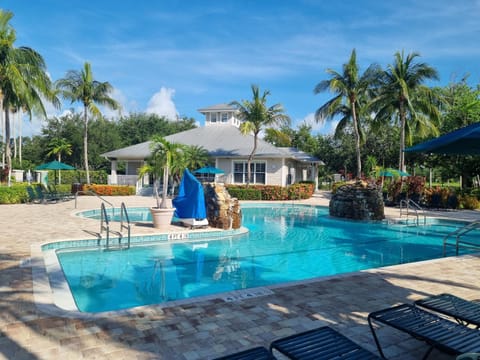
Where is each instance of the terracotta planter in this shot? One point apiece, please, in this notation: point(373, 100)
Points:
point(162, 218)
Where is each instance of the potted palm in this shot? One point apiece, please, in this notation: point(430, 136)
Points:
point(162, 160)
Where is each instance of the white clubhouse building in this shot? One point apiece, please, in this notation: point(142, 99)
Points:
point(228, 149)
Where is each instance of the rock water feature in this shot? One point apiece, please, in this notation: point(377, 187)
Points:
point(359, 201)
point(223, 211)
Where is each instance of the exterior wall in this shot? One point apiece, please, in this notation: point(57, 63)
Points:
point(225, 165)
point(213, 118)
point(132, 167)
point(274, 172)
point(273, 175)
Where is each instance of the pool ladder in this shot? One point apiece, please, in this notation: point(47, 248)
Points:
point(408, 207)
point(459, 243)
point(105, 227)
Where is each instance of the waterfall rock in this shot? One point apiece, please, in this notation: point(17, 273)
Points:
point(223, 211)
point(359, 201)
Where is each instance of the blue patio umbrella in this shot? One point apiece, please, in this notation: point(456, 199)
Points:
point(393, 172)
point(464, 141)
point(54, 165)
point(209, 170)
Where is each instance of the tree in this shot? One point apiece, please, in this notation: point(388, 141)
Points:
point(194, 157)
point(403, 96)
point(23, 79)
point(255, 116)
point(80, 86)
point(164, 158)
point(349, 101)
point(59, 146)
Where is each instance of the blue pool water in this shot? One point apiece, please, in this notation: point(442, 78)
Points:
point(284, 244)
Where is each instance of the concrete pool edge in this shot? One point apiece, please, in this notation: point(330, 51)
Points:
point(59, 301)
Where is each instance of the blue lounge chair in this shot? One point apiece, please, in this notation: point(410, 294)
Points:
point(322, 343)
point(463, 311)
point(439, 333)
point(257, 353)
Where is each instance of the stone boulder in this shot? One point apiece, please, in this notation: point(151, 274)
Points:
point(359, 201)
point(223, 211)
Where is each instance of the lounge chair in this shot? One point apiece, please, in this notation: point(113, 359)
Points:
point(32, 196)
point(64, 196)
point(463, 311)
point(439, 333)
point(321, 343)
point(44, 195)
point(257, 353)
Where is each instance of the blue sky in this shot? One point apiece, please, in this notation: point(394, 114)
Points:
point(174, 57)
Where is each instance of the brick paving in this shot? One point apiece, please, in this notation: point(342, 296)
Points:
point(207, 328)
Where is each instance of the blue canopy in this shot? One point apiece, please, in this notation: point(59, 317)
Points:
point(209, 170)
point(464, 141)
point(190, 202)
point(393, 172)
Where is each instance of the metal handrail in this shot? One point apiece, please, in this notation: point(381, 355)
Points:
point(458, 233)
point(104, 219)
point(94, 194)
point(410, 204)
point(124, 213)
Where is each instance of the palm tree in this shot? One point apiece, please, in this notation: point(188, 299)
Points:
point(194, 157)
point(59, 146)
point(81, 86)
point(350, 99)
point(255, 116)
point(165, 157)
point(403, 96)
point(23, 79)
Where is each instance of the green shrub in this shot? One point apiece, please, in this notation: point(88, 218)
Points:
point(272, 192)
point(14, 194)
point(468, 202)
point(79, 176)
point(242, 193)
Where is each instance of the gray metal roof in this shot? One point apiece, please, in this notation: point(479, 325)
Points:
point(219, 140)
point(299, 155)
point(218, 107)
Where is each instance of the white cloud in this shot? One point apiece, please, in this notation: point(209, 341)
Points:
point(122, 100)
point(161, 103)
point(324, 128)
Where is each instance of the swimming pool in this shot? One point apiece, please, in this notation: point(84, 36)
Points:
point(284, 244)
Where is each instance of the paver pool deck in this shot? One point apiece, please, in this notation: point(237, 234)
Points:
point(204, 328)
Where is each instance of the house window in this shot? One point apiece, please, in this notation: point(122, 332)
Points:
point(224, 117)
point(213, 117)
point(257, 172)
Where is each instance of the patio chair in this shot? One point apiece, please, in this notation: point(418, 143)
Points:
point(32, 196)
point(463, 311)
point(321, 343)
point(52, 190)
point(439, 333)
point(45, 196)
point(257, 353)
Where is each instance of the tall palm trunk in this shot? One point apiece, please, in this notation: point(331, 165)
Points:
point(401, 162)
point(357, 139)
point(250, 158)
point(85, 143)
point(8, 150)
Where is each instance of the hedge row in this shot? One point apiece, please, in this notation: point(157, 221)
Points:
point(297, 191)
point(17, 193)
point(110, 190)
